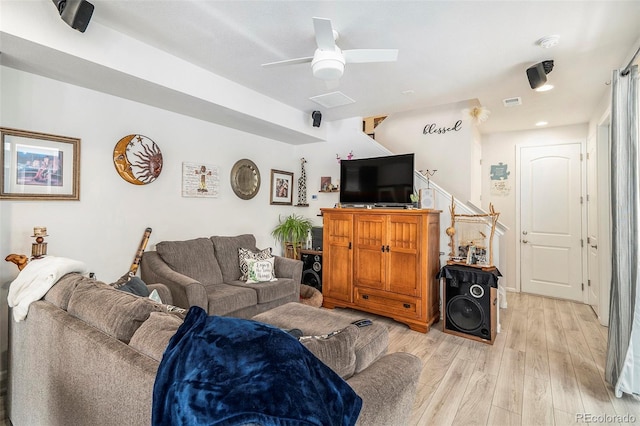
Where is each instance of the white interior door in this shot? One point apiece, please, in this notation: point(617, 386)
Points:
point(551, 221)
point(593, 277)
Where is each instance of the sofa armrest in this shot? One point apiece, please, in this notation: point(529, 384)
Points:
point(163, 292)
point(185, 291)
point(288, 268)
point(388, 389)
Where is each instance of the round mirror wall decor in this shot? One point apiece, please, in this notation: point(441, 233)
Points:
point(137, 159)
point(245, 179)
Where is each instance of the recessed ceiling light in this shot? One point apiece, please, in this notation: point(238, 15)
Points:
point(548, 41)
point(541, 123)
point(544, 88)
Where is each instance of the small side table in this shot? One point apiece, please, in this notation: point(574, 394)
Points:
point(470, 302)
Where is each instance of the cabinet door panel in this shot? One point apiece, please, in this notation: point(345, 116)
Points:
point(405, 275)
point(337, 257)
point(370, 259)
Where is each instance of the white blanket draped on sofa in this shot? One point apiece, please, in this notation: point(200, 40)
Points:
point(33, 282)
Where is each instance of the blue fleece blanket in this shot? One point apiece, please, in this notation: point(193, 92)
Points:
point(229, 371)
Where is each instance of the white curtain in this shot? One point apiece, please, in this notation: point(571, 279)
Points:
point(623, 348)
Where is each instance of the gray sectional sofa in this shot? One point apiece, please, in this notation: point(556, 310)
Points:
point(87, 354)
point(205, 272)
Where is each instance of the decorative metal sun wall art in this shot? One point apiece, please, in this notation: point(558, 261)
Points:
point(137, 159)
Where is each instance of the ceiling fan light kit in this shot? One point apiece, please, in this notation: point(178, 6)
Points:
point(327, 65)
point(329, 60)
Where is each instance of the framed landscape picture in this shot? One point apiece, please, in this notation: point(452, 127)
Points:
point(39, 166)
point(281, 187)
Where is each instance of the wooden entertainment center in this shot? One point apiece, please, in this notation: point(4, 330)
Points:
point(383, 261)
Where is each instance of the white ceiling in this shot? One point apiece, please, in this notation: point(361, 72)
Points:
point(449, 51)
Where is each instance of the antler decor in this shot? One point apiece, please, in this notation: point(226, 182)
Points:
point(471, 246)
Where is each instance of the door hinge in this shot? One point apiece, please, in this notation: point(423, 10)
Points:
point(588, 240)
point(581, 199)
point(588, 156)
point(581, 157)
point(582, 286)
point(587, 198)
point(588, 283)
point(581, 242)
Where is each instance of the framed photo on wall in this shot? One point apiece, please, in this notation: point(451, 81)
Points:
point(281, 187)
point(39, 166)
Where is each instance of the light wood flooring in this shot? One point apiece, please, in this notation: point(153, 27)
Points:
point(545, 368)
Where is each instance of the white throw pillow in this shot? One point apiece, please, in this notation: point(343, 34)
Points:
point(245, 254)
point(260, 271)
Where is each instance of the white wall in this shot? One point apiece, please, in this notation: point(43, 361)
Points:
point(501, 148)
point(104, 228)
point(450, 153)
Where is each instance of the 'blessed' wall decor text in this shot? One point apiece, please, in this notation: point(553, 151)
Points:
point(433, 129)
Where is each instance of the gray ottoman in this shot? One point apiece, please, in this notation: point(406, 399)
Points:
point(370, 345)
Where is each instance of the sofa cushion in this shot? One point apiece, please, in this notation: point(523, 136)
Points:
point(225, 299)
point(270, 290)
point(154, 334)
point(372, 341)
point(114, 312)
point(337, 351)
point(226, 251)
point(61, 292)
point(193, 258)
point(245, 255)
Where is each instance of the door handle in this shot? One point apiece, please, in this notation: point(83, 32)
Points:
point(525, 241)
point(595, 246)
point(524, 232)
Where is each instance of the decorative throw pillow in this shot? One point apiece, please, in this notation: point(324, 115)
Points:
point(260, 271)
point(246, 254)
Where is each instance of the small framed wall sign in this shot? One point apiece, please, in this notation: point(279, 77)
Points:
point(281, 187)
point(200, 180)
point(38, 166)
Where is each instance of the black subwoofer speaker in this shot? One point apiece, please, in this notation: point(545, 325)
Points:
point(470, 310)
point(312, 269)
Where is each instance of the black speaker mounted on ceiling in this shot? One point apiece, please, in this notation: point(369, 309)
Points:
point(537, 74)
point(317, 117)
point(76, 13)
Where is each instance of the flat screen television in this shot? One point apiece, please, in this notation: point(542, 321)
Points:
point(377, 181)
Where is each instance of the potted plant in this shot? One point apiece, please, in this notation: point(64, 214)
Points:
point(292, 231)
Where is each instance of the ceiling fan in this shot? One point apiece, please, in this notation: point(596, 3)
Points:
point(329, 60)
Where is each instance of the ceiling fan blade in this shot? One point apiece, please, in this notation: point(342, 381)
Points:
point(356, 56)
point(324, 34)
point(289, 62)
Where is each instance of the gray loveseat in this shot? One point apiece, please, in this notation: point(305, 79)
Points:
point(205, 272)
point(87, 354)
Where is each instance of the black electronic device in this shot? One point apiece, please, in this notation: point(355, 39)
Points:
point(537, 74)
point(317, 118)
point(470, 309)
point(377, 181)
point(316, 238)
point(76, 13)
point(362, 322)
point(312, 269)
